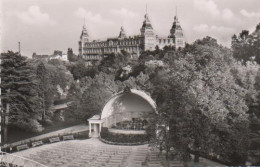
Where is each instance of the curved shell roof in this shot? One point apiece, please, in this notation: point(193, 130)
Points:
point(135, 97)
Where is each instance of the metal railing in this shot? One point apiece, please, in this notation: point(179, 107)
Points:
point(11, 160)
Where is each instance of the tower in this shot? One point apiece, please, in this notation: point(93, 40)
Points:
point(147, 33)
point(122, 33)
point(84, 37)
point(176, 33)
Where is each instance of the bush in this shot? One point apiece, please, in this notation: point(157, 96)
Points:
point(29, 125)
point(255, 126)
point(123, 138)
point(255, 145)
point(82, 135)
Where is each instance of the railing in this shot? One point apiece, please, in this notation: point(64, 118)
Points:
point(10, 160)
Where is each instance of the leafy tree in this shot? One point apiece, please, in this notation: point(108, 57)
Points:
point(198, 96)
point(19, 92)
point(114, 62)
point(95, 92)
point(42, 86)
point(80, 70)
point(71, 56)
point(52, 78)
point(245, 46)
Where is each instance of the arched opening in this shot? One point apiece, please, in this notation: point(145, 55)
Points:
point(126, 112)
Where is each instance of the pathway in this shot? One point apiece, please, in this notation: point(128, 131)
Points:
point(73, 129)
point(94, 153)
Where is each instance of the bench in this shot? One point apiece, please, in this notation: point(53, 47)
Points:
point(68, 137)
point(37, 143)
point(22, 147)
point(54, 139)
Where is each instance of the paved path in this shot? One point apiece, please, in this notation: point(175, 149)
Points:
point(92, 152)
point(73, 129)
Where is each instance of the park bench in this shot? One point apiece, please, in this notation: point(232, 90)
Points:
point(68, 137)
point(37, 143)
point(22, 147)
point(54, 139)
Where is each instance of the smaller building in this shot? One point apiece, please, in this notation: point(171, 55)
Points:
point(63, 57)
point(59, 55)
point(56, 55)
point(42, 57)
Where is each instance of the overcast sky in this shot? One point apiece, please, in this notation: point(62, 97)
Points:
point(43, 26)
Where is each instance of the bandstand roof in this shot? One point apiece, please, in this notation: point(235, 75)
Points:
point(134, 98)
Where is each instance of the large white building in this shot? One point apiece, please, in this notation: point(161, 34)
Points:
point(147, 40)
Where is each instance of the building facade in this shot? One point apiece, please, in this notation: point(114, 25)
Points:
point(148, 40)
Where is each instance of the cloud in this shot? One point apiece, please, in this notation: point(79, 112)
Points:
point(221, 33)
point(201, 28)
point(213, 28)
point(34, 16)
point(249, 14)
point(123, 12)
point(210, 7)
point(227, 14)
point(91, 17)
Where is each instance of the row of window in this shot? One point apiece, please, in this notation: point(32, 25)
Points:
point(165, 41)
point(111, 43)
point(110, 50)
point(180, 42)
point(92, 57)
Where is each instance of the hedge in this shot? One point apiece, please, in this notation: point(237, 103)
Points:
point(255, 145)
point(123, 138)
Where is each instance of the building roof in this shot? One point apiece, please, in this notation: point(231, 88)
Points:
point(122, 33)
point(95, 117)
point(147, 23)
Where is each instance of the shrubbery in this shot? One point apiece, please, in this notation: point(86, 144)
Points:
point(255, 145)
point(29, 125)
point(123, 138)
point(81, 135)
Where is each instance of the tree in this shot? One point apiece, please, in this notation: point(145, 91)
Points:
point(245, 46)
point(80, 70)
point(53, 82)
point(19, 90)
point(114, 62)
point(94, 93)
point(42, 86)
point(71, 56)
point(200, 100)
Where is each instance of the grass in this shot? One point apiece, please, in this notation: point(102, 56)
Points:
point(14, 134)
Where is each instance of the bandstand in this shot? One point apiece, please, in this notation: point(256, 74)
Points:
point(127, 112)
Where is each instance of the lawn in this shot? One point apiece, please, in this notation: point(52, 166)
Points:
point(14, 134)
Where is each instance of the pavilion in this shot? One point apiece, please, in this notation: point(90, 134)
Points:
point(126, 112)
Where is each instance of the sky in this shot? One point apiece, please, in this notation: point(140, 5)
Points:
point(43, 26)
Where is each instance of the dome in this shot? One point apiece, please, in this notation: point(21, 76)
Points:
point(126, 106)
